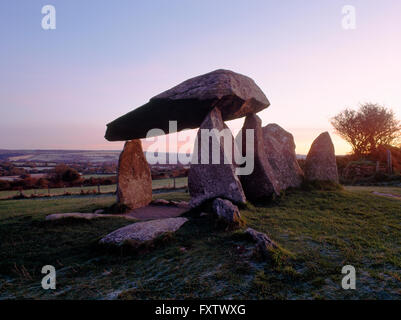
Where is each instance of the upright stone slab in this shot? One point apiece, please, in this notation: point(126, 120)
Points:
point(280, 151)
point(262, 181)
point(134, 185)
point(213, 180)
point(321, 162)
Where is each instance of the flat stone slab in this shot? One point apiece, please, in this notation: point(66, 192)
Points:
point(86, 216)
point(141, 232)
point(389, 195)
point(235, 95)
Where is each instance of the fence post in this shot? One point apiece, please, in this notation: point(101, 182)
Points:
point(389, 162)
point(98, 188)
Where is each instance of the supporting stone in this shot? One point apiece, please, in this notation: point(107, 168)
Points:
point(261, 182)
point(280, 151)
point(212, 173)
point(134, 181)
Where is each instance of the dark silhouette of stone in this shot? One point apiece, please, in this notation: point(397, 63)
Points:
point(134, 181)
point(208, 180)
point(227, 212)
point(280, 151)
point(262, 182)
point(188, 103)
point(320, 164)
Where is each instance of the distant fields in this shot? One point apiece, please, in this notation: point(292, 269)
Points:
point(156, 184)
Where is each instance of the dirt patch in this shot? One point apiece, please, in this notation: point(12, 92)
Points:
point(152, 212)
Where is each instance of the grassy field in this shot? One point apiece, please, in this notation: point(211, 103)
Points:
point(156, 184)
point(386, 190)
point(319, 232)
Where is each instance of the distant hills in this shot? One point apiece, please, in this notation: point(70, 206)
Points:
point(59, 156)
point(65, 156)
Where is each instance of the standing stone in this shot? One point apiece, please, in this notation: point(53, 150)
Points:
point(280, 151)
point(212, 171)
point(262, 182)
point(321, 162)
point(134, 181)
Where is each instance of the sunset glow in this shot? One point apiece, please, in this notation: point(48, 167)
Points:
point(61, 93)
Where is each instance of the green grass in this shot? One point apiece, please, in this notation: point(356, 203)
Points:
point(107, 175)
point(319, 231)
point(156, 184)
point(390, 190)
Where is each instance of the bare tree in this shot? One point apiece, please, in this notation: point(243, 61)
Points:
point(367, 128)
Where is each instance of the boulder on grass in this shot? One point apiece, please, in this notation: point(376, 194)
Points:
point(142, 233)
point(320, 164)
point(134, 181)
point(227, 212)
point(208, 180)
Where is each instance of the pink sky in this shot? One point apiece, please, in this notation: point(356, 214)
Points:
point(60, 88)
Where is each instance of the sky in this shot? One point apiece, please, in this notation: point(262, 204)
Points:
point(59, 88)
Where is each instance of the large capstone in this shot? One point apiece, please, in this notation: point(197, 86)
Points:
point(280, 151)
point(321, 162)
point(134, 185)
point(261, 182)
point(212, 172)
point(188, 103)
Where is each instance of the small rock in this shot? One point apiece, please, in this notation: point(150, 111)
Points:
point(227, 212)
point(263, 242)
point(262, 181)
point(99, 211)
